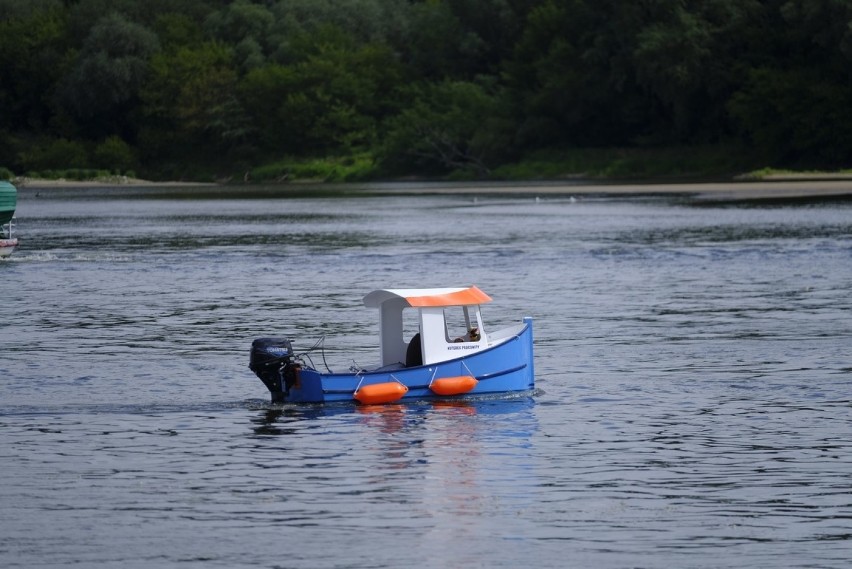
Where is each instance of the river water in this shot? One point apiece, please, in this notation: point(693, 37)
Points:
point(694, 401)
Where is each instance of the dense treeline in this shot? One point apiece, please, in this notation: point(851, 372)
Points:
point(201, 88)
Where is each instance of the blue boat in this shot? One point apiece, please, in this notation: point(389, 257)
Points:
point(433, 345)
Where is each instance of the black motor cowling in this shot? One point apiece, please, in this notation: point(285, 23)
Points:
point(272, 361)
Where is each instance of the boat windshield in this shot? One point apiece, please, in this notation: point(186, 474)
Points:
point(461, 324)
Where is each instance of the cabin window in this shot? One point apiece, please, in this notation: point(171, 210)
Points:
point(460, 320)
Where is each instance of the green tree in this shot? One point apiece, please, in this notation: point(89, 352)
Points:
point(103, 86)
point(363, 21)
point(244, 25)
point(687, 58)
point(113, 153)
point(33, 55)
point(454, 125)
point(54, 154)
point(190, 107)
point(177, 30)
point(83, 14)
point(606, 73)
point(434, 85)
point(332, 100)
point(571, 80)
point(795, 117)
point(794, 105)
point(822, 28)
point(490, 30)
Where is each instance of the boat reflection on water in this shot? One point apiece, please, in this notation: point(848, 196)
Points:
point(440, 445)
point(448, 472)
point(391, 418)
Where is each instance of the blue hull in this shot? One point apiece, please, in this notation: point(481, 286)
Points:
point(505, 368)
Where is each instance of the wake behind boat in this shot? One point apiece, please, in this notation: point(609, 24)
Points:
point(448, 353)
point(8, 202)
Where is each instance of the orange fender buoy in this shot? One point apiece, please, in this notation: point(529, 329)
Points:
point(377, 393)
point(453, 385)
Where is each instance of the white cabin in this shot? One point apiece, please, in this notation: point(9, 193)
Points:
point(449, 324)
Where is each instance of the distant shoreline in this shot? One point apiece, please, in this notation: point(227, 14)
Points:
point(737, 190)
point(116, 181)
point(771, 187)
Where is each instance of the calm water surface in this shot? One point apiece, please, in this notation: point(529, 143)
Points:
point(693, 365)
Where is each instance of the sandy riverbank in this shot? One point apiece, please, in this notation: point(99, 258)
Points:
point(114, 181)
point(800, 188)
point(787, 187)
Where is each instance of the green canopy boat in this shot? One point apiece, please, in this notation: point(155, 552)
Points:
point(8, 201)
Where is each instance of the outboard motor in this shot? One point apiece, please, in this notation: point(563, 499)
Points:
point(271, 360)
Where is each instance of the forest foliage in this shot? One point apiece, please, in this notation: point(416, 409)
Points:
point(203, 89)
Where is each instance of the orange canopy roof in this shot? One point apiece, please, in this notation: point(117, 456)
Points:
point(429, 296)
